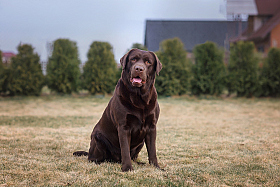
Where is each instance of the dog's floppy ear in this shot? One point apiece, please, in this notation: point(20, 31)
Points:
point(123, 60)
point(158, 63)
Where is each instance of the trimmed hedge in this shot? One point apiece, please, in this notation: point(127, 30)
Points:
point(242, 68)
point(209, 70)
point(63, 72)
point(24, 76)
point(100, 70)
point(175, 75)
point(270, 75)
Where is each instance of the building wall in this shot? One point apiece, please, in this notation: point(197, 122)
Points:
point(192, 33)
point(257, 23)
point(275, 37)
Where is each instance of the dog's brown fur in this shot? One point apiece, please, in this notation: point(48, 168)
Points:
point(130, 118)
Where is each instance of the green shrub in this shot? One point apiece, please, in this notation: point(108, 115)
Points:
point(139, 46)
point(2, 75)
point(242, 68)
point(24, 76)
point(270, 74)
point(5, 73)
point(100, 70)
point(209, 70)
point(2, 78)
point(63, 70)
point(175, 75)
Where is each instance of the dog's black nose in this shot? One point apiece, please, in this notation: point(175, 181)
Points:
point(139, 68)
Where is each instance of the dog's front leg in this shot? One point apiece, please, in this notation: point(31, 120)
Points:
point(150, 141)
point(124, 138)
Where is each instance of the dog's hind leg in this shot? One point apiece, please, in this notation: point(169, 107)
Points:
point(97, 151)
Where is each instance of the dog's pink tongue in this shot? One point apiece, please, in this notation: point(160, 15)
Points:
point(138, 80)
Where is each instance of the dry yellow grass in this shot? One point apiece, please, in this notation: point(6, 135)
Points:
point(231, 142)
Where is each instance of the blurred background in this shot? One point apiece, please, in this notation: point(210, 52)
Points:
point(142, 24)
point(121, 23)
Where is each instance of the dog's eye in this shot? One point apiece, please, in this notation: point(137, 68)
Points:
point(148, 62)
point(133, 59)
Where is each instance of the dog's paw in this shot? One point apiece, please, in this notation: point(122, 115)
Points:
point(127, 168)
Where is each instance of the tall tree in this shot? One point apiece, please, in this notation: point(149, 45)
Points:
point(242, 68)
point(5, 76)
point(175, 75)
point(2, 74)
point(99, 75)
point(270, 74)
point(26, 77)
point(209, 70)
point(63, 70)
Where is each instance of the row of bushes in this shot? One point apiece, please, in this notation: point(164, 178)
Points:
point(208, 74)
point(24, 75)
point(246, 74)
point(99, 72)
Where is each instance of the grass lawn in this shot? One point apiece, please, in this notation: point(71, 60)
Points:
point(200, 142)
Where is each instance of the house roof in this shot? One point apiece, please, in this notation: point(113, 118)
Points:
point(266, 28)
point(8, 54)
point(267, 7)
point(191, 33)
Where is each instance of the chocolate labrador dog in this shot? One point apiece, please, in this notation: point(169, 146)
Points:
point(130, 118)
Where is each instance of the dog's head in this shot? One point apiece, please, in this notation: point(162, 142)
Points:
point(139, 68)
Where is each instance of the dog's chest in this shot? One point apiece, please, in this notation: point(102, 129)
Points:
point(139, 123)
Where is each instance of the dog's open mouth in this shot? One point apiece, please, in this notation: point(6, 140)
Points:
point(137, 81)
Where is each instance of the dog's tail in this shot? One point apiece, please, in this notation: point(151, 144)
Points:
point(80, 153)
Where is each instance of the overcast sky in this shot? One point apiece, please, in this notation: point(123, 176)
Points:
point(119, 22)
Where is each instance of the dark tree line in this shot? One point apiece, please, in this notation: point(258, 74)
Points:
point(246, 74)
point(24, 75)
point(208, 74)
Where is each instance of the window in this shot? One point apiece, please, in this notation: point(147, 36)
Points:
point(260, 48)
